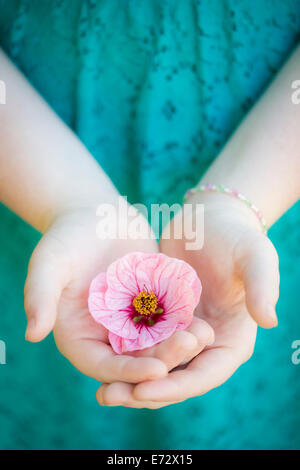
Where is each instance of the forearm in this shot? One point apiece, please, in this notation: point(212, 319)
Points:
point(44, 168)
point(262, 158)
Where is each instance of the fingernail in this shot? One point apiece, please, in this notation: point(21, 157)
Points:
point(270, 311)
point(114, 404)
point(30, 326)
point(100, 400)
point(100, 395)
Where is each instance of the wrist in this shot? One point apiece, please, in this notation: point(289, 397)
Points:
point(81, 205)
point(126, 220)
point(216, 203)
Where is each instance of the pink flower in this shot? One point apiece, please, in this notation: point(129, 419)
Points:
point(143, 298)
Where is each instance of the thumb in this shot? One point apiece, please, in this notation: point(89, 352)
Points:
point(257, 262)
point(45, 281)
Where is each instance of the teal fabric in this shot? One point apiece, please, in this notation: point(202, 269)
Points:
point(153, 88)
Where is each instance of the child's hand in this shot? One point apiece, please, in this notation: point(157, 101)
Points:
point(60, 271)
point(238, 267)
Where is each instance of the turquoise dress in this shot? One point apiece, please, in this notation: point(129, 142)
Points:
point(153, 88)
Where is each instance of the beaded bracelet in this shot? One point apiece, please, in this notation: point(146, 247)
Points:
point(220, 188)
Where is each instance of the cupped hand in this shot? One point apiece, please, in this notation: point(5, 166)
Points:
point(61, 268)
point(238, 268)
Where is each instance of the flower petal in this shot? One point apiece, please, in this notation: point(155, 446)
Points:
point(148, 336)
point(96, 300)
point(116, 342)
point(122, 282)
point(99, 283)
point(175, 283)
point(118, 321)
point(121, 275)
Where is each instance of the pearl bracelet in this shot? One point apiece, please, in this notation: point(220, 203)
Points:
point(220, 188)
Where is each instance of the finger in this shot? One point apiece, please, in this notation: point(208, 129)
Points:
point(207, 371)
point(258, 265)
point(183, 345)
point(46, 278)
point(120, 394)
point(97, 360)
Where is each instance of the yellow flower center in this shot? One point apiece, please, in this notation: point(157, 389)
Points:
point(145, 303)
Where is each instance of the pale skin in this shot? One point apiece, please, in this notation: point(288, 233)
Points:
point(50, 180)
point(238, 265)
